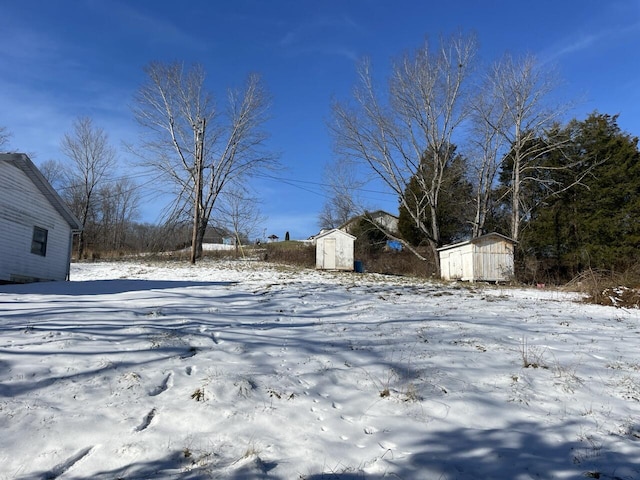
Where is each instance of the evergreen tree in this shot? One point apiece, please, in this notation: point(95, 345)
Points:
point(594, 223)
point(453, 210)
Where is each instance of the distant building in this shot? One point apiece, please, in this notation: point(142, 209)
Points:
point(486, 258)
point(36, 227)
point(384, 219)
point(334, 250)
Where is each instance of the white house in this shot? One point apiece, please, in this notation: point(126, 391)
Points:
point(36, 227)
point(486, 258)
point(334, 250)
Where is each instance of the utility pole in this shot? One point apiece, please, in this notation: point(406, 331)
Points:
point(199, 154)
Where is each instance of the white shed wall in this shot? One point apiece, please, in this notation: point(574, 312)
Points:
point(488, 258)
point(23, 206)
point(493, 260)
point(334, 251)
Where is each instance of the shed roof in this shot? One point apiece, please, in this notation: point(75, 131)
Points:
point(476, 240)
point(24, 163)
point(337, 230)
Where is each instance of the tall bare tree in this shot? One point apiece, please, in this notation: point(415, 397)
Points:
point(486, 148)
point(522, 88)
point(342, 202)
point(92, 161)
point(425, 105)
point(195, 147)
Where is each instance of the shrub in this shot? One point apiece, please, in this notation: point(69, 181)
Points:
point(292, 253)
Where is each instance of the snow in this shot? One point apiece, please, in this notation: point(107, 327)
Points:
point(252, 370)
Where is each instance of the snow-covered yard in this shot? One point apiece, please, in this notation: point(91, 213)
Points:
point(250, 370)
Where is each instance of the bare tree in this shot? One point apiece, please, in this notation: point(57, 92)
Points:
point(4, 136)
point(55, 172)
point(486, 149)
point(93, 160)
point(426, 105)
point(522, 88)
point(342, 200)
point(238, 211)
point(118, 203)
point(195, 147)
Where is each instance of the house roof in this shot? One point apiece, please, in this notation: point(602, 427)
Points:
point(24, 163)
point(476, 240)
point(373, 215)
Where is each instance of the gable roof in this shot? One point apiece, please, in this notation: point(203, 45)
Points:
point(24, 163)
point(334, 230)
point(477, 239)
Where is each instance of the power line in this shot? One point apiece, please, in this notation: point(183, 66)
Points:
point(293, 182)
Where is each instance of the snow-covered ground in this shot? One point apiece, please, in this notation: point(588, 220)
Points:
point(250, 370)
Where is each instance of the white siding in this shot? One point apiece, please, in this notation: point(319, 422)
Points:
point(22, 207)
point(493, 260)
point(487, 258)
point(334, 251)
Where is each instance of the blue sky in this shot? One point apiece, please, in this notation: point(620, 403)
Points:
point(63, 59)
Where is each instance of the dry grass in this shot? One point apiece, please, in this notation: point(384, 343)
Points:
point(605, 287)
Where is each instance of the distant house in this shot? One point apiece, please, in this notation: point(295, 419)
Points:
point(36, 227)
point(486, 258)
point(384, 219)
point(334, 250)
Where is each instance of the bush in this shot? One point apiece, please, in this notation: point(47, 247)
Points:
point(396, 263)
point(303, 254)
point(293, 253)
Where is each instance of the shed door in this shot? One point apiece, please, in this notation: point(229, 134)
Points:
point(329, 253)
point(456, 270)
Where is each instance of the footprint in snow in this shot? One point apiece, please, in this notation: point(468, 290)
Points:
point(167, 383)
point(147, 420)
point(65, 466)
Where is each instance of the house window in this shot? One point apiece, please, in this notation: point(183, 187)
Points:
point(39, 242)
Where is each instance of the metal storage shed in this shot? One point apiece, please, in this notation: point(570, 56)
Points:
point(334, 250)
point(486, 258)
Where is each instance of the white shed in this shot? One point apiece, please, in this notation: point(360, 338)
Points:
point(36, 227)
point(486, 258)
point(334, 250)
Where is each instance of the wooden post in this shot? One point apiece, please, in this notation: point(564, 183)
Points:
point(199, 153)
